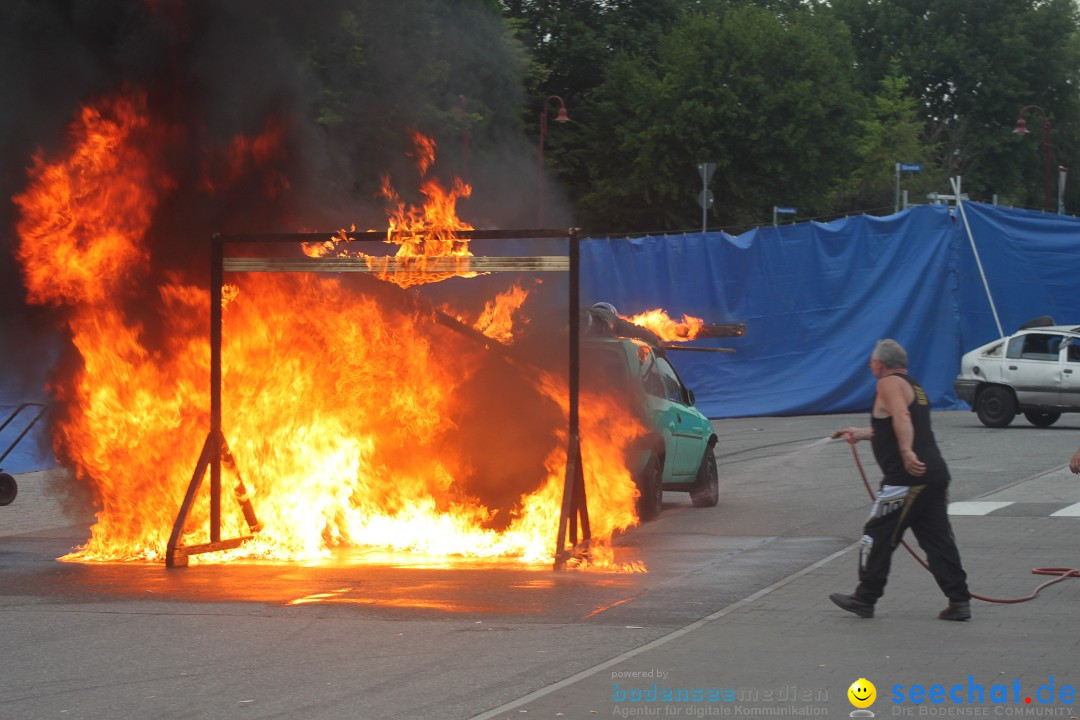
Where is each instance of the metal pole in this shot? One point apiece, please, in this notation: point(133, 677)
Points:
point(704, 202)
point(1021, 129)
point(216, 272)
point(560, 118)
point(1062, 172)
point(540, 169)
point(575, 327)
point(971, 238)
point(1046, 144)
point(571, 503)
point(464, 137)
point(172, 557)
point(896, 204)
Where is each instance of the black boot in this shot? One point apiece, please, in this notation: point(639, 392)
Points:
point(956, 611)
point(853, 605)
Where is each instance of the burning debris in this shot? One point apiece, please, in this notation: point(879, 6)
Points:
point(421, 233)
point(666, 328)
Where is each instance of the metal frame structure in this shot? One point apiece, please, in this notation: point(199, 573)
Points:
point(574, 515)
point(8, 487)
point(15, 413)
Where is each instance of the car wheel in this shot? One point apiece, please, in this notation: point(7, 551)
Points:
point(651, 486)
point(8, 489)
point(995, 406)
point(1041, 419)
point(706, 490)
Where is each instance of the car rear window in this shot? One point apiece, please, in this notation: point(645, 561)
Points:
point(603, 370)
point(1035, 346)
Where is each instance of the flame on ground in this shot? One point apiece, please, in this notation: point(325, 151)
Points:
point(347, 414)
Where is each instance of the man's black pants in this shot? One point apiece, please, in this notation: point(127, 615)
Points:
point(924, 509)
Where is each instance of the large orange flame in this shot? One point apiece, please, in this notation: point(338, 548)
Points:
point(82, 223)
point(344, 411)
point(666, 328)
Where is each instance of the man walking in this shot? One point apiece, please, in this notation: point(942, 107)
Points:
point(913, 493)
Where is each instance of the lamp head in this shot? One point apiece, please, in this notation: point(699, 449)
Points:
point(1021, 127)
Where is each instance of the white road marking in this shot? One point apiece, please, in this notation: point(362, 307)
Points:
point(1069, 511)
point(976, 507)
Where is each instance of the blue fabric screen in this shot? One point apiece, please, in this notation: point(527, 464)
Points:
point(815, 297)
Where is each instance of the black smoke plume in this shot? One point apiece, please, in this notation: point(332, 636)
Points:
point(341, 80)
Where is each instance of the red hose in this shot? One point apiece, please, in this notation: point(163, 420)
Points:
point(1060, 573)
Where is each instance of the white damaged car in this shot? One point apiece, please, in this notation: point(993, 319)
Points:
point(1035, 371)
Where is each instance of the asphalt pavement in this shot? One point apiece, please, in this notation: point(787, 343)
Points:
point(732, 618)
point(785, 650)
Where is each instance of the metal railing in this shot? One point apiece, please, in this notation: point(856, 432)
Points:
point(8, 487)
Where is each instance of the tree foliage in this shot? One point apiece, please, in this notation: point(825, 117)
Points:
point(799, 103)
point(973, 65)
point(892, 133)
point(805, 104)
point(450, 69)
point(766, 98)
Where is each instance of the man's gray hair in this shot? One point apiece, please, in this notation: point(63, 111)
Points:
point(891, 354)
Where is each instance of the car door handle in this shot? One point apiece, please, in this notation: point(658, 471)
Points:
point(1012, 367)
point(1067, 371)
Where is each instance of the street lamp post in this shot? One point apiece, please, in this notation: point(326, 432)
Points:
point(561, 118)
point(1021, 129)
point(462, 113)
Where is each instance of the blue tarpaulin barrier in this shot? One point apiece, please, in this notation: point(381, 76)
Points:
point(815, 297)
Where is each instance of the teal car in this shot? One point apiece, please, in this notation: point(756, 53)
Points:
point(677, 451)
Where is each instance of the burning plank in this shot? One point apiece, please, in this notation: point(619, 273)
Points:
point(453, 265)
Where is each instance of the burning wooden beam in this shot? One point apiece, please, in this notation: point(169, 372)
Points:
point(406, 264)
point(721, 330)
point(676, 346)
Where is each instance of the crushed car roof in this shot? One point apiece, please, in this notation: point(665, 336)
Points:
point(1051, 328)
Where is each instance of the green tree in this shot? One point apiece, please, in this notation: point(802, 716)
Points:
point(570, 43)
point(768, 98)
point(892, 132)
point(569, 40)
point(973, 64)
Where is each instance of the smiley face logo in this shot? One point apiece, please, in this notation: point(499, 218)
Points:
point(862, 693)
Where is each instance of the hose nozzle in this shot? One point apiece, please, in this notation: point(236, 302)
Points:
point(837, 435)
